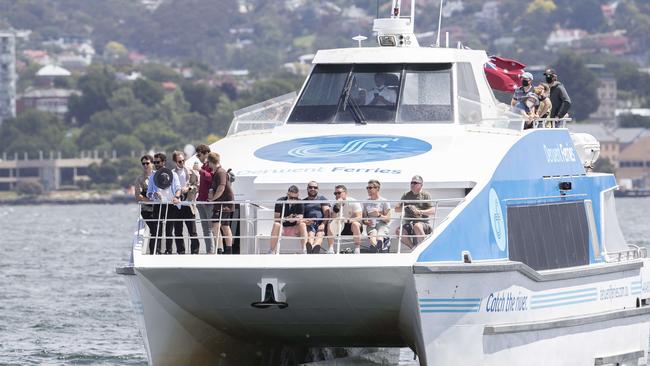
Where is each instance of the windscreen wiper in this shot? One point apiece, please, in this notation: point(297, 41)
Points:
point(354, 107)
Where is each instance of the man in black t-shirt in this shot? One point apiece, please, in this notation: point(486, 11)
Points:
point(288, 216)
point(315, 213)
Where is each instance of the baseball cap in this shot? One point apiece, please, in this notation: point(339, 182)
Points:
point(527, 75)
point(417, 178)
point(550, 72)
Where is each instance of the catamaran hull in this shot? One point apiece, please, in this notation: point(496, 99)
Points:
point(450, 314)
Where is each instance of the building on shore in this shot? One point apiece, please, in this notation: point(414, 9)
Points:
point(53, 173)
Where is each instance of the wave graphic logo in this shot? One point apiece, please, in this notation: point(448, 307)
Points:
point(343, 149)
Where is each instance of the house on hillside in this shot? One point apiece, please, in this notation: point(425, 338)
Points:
point(564, 38)
point(49, 100)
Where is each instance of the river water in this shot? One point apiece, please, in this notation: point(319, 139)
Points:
point(61, 302)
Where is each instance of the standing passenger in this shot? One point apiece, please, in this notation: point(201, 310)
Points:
point(314, 215)
point(205, 181)
point(560, 100)
point(146, 210)
point(164, 211)
point(221, 191)
point(188, 180)
point(376, 217)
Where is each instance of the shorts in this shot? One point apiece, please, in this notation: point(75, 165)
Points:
point(408, 227)
point(290, 231)
point(380, 229)
point(313, 227)
point(224, 216)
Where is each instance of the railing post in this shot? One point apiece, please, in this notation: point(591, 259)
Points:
point(278, 245)
point(401, 228)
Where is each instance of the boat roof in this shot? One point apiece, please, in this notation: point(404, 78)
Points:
point(391, 55)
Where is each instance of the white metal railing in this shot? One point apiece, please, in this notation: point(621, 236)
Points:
point(254, 222)
point(521, 124)
point(634, 252)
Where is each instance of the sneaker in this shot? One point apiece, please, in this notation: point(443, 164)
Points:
point(270, 251)
point(330, 250)
point(372, 249)
point(308, 249)
point(357, 250)
point(227, 250)
point(315, 249)
point(219, 251)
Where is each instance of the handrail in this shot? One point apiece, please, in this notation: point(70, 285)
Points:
point(255, 226)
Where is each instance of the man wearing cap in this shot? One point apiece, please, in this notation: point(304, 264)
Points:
point(417, 209)
point(288, 217)
point(560, 100)
point(525, 88)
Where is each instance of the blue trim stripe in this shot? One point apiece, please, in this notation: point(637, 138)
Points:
point(590, 299)
point(448, 305)
point(580, 296)
point(563, 293)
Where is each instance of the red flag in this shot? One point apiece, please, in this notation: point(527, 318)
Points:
point(503, 74)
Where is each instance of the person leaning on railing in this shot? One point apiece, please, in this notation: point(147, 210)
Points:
point(417, 210)
point(146, 210)
point(188, 180)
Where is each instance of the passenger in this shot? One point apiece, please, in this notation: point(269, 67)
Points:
point(381, 94)
point(221, 191)
point(376, 217)
point(314, 213)
point(416, 224)
point(205, 181)
point(527, 108)
point(346, 213)
point(188, 180)
point(290, 214)
point(164, 211)
point(542, 91)
point(560, 100)
point(525, 88)
point(146, 211)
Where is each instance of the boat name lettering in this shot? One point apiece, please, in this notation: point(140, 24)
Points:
point(559, 154)
point(336, 169)
point(506, 302)
point(614, 292)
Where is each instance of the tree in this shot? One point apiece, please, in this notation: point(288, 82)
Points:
point(201, 97)
point(96, 86)
point(580, 83)
point(148, 92)
point(31, 189)
point(31, 132)
point(125, 144)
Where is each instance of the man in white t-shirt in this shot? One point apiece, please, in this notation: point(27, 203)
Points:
point(376, 217)
point(381, 94)
point(346, 217)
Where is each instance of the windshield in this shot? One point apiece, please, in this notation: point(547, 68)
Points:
point(376, 93)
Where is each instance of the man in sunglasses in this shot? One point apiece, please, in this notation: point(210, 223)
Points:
point(188, 180)
point(346, 215)
point(314, 215)
point(288, 217)
point(146, 210)
point(376, 217)
point(164, 211)
point(417, 210)
point(205, 182)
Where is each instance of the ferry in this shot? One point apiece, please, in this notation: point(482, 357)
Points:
point(525, 263)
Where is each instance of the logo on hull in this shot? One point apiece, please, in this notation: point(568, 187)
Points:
point(343, 149)
point(496, 218)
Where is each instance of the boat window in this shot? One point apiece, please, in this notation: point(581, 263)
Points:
point(469, 99)
point(427, 94)
point(548, 236)
point(320, 99)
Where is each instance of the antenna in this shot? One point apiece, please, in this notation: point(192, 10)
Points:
point(439, 24)
point(359, 39)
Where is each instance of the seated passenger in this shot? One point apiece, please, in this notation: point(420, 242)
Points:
point(290, 217)
point(314, 215)
point(376, 217)
point(416, 224)
point(381, 94)
point(346, 218)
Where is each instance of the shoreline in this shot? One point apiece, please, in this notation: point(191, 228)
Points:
point(77, 199)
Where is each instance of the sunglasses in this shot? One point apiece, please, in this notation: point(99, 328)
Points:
point(180, 161)
point(370, 187)
point(414, 183)
point(312, 187)
point(293, 197)
point(145, 163)
point(157, 162)
point(337, 193)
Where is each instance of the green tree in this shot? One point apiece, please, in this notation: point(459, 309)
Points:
point(159, 73)
point(125, 144)
point(580, 83)
point(148, 92)
point(97, 87)
point(202, 98)
point(31, 132)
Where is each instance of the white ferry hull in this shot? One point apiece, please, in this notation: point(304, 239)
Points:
point(204, 315)
point(502, 316)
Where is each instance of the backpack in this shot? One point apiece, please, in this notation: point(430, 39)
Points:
point(231, 175)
